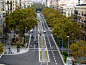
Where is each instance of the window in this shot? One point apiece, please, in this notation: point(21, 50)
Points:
point(0, 35)
point(82, 13)
point(0, 21)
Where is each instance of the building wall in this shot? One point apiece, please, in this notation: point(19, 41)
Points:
point(81, 13)
point(67, 11)
point(1, 23)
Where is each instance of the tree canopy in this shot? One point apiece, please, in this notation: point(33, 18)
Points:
point(20, 19)
point(63, 26)
point(1, 47)
point(78, 49)
point(38, 6)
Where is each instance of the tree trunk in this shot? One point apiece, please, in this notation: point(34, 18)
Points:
point(79, 61)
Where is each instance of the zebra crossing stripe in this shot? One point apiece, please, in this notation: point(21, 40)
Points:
point(43, 50)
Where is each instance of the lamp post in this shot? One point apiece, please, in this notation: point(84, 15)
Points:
point(68, 49)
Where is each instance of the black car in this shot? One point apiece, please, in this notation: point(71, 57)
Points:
point(32, 36)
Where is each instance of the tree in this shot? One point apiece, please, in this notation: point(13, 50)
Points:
point(38, 6)
point(67, 28)
point(71, 17)
point(78, 49)
point(20, 19)
point(1, 47)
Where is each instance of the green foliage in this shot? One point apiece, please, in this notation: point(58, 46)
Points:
point(38, 6)
point(1, 31)
point(20, 19)
point(78, 48)
point(63, 26)
point(1, 47)
point(65, 53)
point(18, 45)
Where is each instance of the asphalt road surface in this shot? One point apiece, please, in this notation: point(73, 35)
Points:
point(32, 56)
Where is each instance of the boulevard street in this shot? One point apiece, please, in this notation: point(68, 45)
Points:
point(32, 56)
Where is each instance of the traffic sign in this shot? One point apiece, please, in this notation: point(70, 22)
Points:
point(61, 47)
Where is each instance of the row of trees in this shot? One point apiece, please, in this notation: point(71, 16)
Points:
point(78, 50)
point(21, 20)
point(65, 26)
point(1, 47)
point(38, 6)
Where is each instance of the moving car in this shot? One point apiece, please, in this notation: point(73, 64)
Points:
point(32, 36)
point(31, 31)
point(0, 56)
point(44, 31)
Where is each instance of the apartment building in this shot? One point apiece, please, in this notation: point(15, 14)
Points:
point(67, 11)
point(80, 14)
point(25, 4)
point(80, 17)
point(66, 7)
point(2, 17)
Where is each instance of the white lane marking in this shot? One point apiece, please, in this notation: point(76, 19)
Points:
point(56, 63)
point(49, 42)
point(55, 60)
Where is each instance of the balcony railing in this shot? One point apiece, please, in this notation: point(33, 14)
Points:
point(9, 2)
point(84, 14)
point(85, 21)
point(76, 11)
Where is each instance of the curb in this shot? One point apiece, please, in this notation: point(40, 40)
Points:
point(58, 50)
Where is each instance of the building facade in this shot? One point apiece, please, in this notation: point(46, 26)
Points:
point(2, 17)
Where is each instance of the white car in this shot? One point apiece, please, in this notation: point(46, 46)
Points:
point(31, 30)
point(44, 31)
point(0, 56)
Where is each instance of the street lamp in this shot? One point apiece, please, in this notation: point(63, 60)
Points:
point(68, 50)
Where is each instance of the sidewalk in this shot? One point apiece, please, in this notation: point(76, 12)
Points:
point(13, 48)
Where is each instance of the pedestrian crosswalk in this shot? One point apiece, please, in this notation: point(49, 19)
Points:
point(37, 49)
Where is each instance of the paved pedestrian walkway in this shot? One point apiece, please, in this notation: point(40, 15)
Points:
point(12, 49)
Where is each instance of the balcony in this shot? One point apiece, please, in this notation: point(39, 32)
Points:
point(10, 8)
point(79, 17)
point(75, 17)
point(9, 2)
point(84, 14)
point(85, 21)
point(75, 11)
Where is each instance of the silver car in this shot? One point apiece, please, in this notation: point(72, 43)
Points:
point(0, 56)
